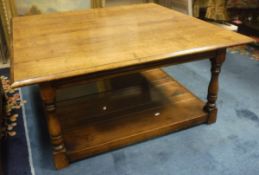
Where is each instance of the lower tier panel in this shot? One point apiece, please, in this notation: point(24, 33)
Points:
point(151, 104)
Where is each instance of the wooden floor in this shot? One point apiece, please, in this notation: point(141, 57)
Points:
point(154, 105)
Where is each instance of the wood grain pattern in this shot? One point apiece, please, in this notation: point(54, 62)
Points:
point(130, 117)
point(56, 46)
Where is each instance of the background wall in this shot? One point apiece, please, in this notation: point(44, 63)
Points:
point(25, 7)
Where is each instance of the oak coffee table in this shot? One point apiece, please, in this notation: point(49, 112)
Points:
point(124, 46)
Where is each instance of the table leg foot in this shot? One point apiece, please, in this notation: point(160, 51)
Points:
point(48, 94)
point(212, 116)
point(60, 160)
point(211, 107)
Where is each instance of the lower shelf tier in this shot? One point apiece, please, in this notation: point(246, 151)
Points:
point(102, 122)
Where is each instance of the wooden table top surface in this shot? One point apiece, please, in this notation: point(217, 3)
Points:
point(60, 45)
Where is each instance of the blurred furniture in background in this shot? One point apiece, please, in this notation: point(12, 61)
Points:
point(7, 10)
point(214, 9)
point(243, 13)
point(3, 46)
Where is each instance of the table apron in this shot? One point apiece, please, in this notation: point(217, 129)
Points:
point(134, 68)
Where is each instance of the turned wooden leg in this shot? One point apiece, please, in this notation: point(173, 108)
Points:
point(48, 95)
point(211, 107)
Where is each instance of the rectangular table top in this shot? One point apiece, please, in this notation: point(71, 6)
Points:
point(61, 45)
